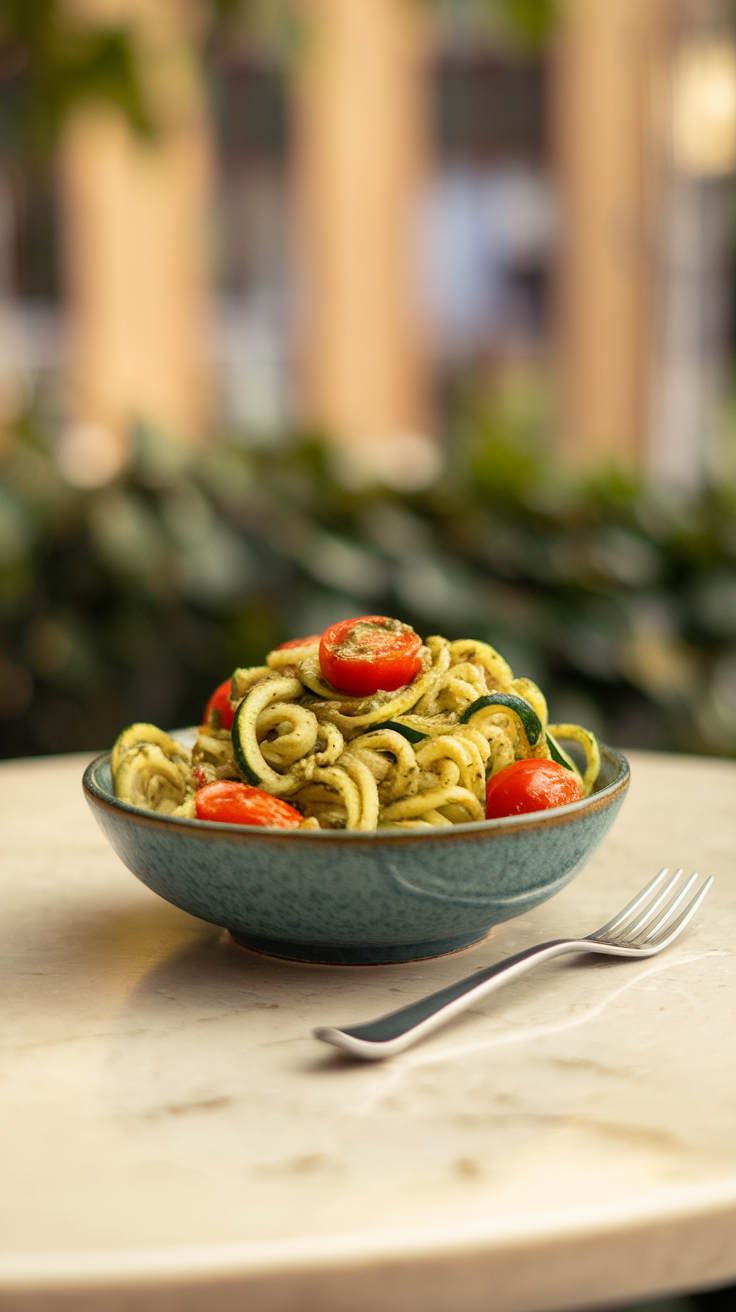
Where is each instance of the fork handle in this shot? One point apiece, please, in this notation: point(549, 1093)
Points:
point(388, 1035)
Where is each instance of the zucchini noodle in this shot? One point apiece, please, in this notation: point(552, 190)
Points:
point(415, 758)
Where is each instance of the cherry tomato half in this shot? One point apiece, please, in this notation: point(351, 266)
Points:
point(299, 642)
point(370, 654)
point(240, 804)
point(220, 701)
point(530, 786)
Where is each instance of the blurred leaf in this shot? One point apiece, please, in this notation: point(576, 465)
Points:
point(531, 20)
point(133, 601)
point(529, 23)
point(50, 64)
point(16, 528)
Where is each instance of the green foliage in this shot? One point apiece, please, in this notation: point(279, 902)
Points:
point(531, 20)
point(132, 601)
point(526, 23)
point(51, 63)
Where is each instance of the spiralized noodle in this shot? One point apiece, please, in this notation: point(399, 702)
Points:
point(418, 757)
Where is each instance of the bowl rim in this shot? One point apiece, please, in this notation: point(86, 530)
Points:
point(107, 801)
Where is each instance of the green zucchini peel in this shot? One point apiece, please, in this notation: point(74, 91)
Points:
point(577, 734)
point(411, 735)
point(530, 721)
point(246, 748)
point(557, 753)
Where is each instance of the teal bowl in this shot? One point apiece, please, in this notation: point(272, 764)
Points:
point(359, 898)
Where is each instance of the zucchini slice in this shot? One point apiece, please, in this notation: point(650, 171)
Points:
point(136, 735)
point(278, 658)
point(244, 678)
point(151, 770)
point(248, 754)
point(481, 653)
point(557, 753)
point(577, 734)
point(508, 701)
point(529, 692)
point(412, 735)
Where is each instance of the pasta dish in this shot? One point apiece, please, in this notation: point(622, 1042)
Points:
point(416, 755)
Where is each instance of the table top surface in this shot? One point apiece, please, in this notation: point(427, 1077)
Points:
point(165, 1114)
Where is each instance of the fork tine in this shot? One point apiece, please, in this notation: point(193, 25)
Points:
point(670, 932)
point(632, 906)
point(630, 929)
point(658, 922)
point(634, 927)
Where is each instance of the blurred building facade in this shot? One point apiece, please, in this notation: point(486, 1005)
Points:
point(388, 208)
point(694, 267)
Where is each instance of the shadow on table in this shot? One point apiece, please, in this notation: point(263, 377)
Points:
point(710, 1300)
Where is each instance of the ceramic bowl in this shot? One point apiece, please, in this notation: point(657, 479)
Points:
point(362, 898)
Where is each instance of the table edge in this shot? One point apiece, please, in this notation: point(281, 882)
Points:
point(696, 1204)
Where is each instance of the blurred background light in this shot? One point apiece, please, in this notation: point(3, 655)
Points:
point(703, 119)
point(90, 455)
point(407, 462)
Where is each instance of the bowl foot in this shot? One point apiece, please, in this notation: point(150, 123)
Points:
point(365, 954)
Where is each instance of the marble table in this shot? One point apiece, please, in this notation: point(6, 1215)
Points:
point(173, 1138)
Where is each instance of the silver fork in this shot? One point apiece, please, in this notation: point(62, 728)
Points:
point(644, 927)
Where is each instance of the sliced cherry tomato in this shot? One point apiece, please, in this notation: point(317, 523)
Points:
point(530, 786)
point(240, 804)
point(220, 702)
point(299, 642)
point(370, 654)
